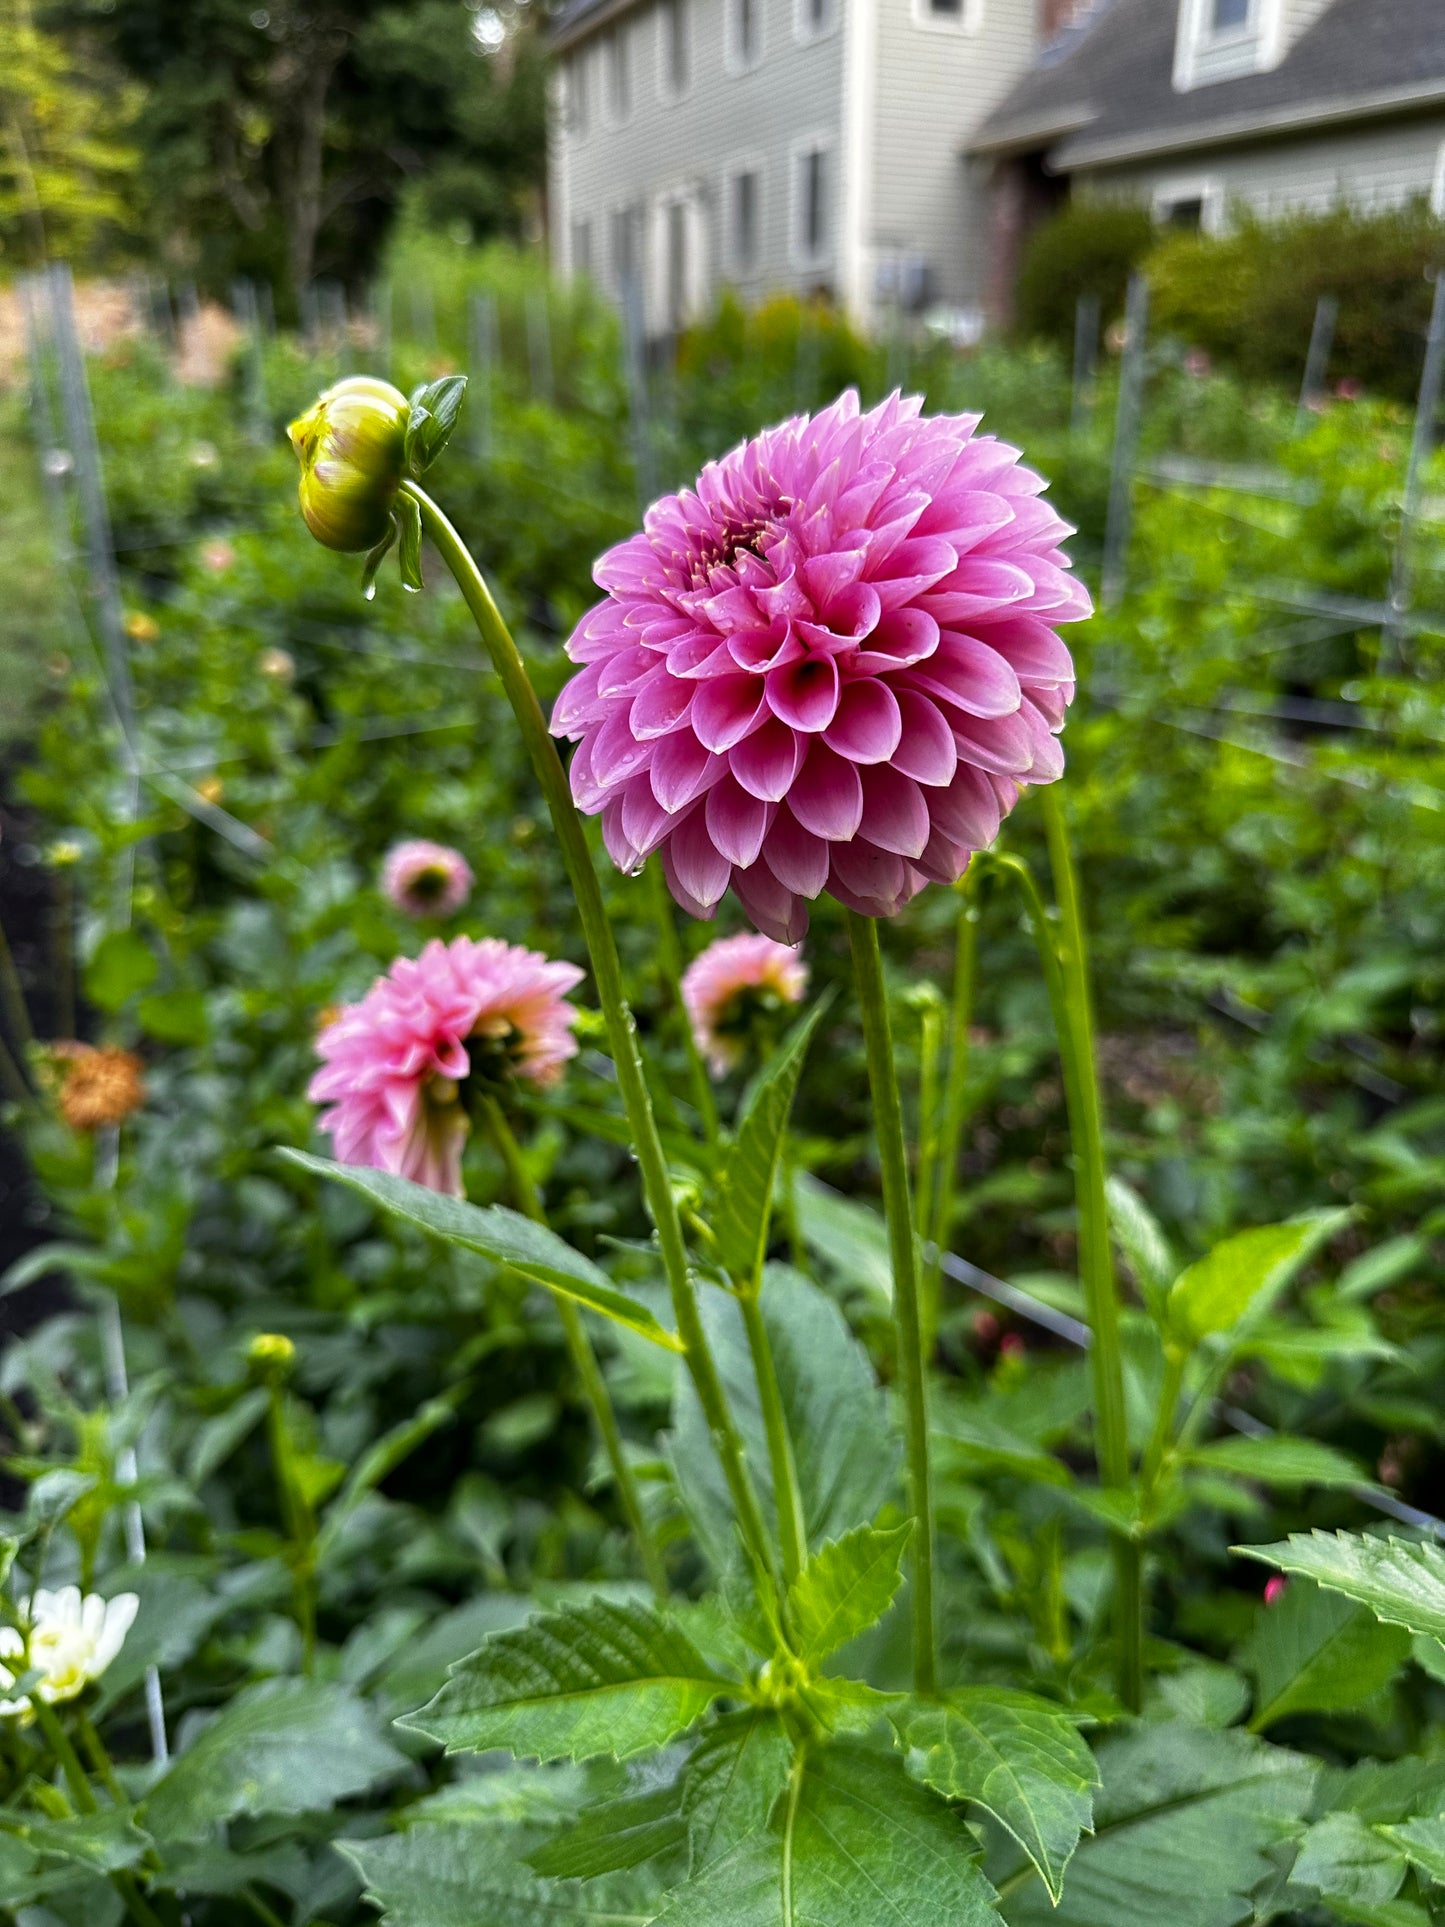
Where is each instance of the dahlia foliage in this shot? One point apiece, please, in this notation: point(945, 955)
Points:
point(426, 879)
point(731, 986)
point(831, 667)
point(396, 1064)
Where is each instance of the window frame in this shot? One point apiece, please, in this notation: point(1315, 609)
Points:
point(968, 21)
point(736, 166)
point(805, 33)
point(577, 82)
point(734, 63)
point(1207, 189)
point(1211, 36)
point(803, 258)
point(669, 90)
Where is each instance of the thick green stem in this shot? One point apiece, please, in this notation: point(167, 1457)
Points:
point(669, 961)
point(300, 1526)
point(1172, 1384)
point(621, 1029)
point(955, 1084)
point(1065, 968)
point(930, 1049)
point(792, 1531)
point(893, 1161)
point(584, 1358)
point(99, 1758)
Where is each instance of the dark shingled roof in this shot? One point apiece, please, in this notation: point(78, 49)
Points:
point(1105, 87)
point(573, 15)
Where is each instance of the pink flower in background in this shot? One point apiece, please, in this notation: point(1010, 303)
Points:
point(732, 983)
point(395, 1063)
point(832, 666)
point(426, 879)
point(1274, 1589)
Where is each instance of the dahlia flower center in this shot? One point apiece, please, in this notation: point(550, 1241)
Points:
point(750, 1015)
point(428, 884)
point(740, 538)
point(494, 1050)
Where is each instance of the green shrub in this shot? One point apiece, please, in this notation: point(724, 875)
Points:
point(1249, 296)
point(1089, 248)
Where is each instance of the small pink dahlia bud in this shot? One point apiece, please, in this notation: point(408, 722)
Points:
point(1274, 1589)
point(397, 1066)
point(733, 988)
point(831, 666)
point(426, 879)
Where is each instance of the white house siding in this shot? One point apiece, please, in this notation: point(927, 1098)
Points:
point(1371, 169)
point(685, 151)
point(935, 84)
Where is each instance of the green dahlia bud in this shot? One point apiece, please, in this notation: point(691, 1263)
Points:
point(351, 444)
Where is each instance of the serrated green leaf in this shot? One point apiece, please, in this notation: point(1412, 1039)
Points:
point(1205, 1693)
point(590, 1681)
point(453, 1876)
point(504, 1236)
point(614, 1835)
point(732, 1783)
point(121, 965)
point(101, 1842)
point(282, 1746)
point(1423, 1844)
point(1140, 1237)
point(1018, 1757)
point(744, 1199)
point(407, 517)
point(1241, 1277)
point(1344, 1859)
point(434, 410)
point(1183, 1826)
point(854, 1844)
point(846, 1587)
point(845, 1446)
point(1314, 1652)
point(1279, 1459)
point(1402, 1581)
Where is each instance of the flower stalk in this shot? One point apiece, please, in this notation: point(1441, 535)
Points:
point(955, 1084)
point(621, 1027)
point(893, 1159)
point(580, 1349)
point(669, 963)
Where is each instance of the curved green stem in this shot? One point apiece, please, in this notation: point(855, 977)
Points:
point(893, 1161)
point(955, 1083)
point(1065, 977)
point(669, 959)
point(621, 1028)
point(930, 1050)
point(584, 1358)
point(792, 1532)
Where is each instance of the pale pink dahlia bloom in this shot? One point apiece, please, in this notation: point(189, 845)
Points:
point(395, 1064)
point(731, 983)
point(832, 666)
point(426, 879)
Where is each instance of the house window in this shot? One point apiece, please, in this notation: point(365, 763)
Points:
point(1196, 205)
point(745, 211)
point(618, 59)
point(745, 34)
point(582, 247)
point(812, 19)
point(1229, 16)
point(578, 102)
point(957, 16)
point(812, 203)
point(626, 244)
point(676, 48)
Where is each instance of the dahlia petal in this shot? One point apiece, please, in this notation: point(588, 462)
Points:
point(725, 708)
point(681, 770)
point(737, 822)
point(699, 865)
point(926, 750)
point(868, 724)
point(615, 840)
point(587, 792)
point(1052, 702)
point(825, 577)
point(944, 861)
point(903, 637)
point(999, 743)
point(774, 910)
point(766, 762)
point(965, 516)
point(970, 675)
point(981, 586)
point(1048, 763)
point(629, 567)
point(895, 812)
point(804, 695)
point(967, 812)
point(758, 650)
point(796, 857)
point(622, 673)
point(644, 821)
point(660, 705)
point(704, 912)
point(616, 752)
point(827, 796)
point(1030, 645)
point(871, 881)
point(579, 703)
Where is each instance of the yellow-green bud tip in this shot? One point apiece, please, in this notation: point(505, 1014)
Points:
point(273, 1350)
point(351, 444)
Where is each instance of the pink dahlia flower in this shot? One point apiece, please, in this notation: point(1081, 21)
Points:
point(426, 879)
point(729, 986)
point(395, 1064)
point(832, 666)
